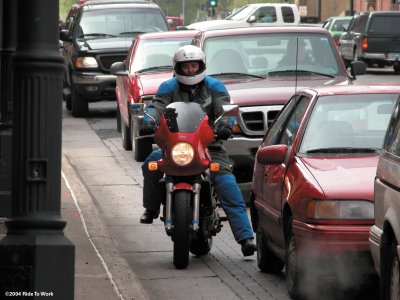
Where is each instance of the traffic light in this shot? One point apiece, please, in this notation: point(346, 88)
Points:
point(213, 3)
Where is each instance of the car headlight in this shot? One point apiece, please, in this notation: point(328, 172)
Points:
point(340, 210)
point(182, 154)
point(86, 62)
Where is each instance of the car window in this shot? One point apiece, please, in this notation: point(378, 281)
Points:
point(340, 25)
point(276, 127)
point(360, 24)
point(287, 14)
point(117, 22)
point(392, 138)
point(156, 52)
point(290, 129)
point(384, 24)
point(348, 121)
point(273, 54)
point(266, 14)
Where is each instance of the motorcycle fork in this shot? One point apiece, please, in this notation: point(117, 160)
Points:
point(170, 188)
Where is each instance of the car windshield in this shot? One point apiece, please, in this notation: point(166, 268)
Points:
point(124, 22)
point(153, 53)
point(272, 55)
point(241, 14)
point(348, 123)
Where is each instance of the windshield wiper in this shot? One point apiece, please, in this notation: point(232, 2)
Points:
point(130, 33)
point(155, 68)
point(299, 71)
point(238, 74)
point(96, 34)
point(344, 150)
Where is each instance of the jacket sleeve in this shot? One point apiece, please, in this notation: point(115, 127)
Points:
point(162, 98)
point(220, 97)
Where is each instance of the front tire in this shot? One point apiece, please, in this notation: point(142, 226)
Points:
point(292, 264)
point(267, 261)
point(141, 148)
point(390, 274)
point(126, 135)
point(80, 106)
point(181, 231)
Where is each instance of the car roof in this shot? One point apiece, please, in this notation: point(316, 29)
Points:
point(168, 34)
point(96, 4)
point(268, 4)
point(353, 89)
point(264, 29)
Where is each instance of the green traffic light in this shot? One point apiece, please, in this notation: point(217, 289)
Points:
point(213, 3)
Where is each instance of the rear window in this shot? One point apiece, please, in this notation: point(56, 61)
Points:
point(385, 24)
point(287, 14)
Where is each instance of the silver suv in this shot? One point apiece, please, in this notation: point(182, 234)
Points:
point(384, 238)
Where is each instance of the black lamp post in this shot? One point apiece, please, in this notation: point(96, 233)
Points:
point(35, 256)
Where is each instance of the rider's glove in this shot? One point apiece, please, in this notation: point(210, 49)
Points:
point(147, 129)
point(224, 133)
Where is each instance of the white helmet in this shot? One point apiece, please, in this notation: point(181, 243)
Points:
point(185, 54)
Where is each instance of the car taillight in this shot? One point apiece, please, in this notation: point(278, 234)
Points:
point(364, 44)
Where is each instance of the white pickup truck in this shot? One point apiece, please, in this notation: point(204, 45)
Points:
point(257, 14)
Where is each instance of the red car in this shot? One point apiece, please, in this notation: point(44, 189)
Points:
point(148, 64)
point(312, 194)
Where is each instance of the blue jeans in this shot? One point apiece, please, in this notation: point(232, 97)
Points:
point(227, 189)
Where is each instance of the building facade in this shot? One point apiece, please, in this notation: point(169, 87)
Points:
point(327, 8)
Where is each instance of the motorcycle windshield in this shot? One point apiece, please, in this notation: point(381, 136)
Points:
point(183, 117)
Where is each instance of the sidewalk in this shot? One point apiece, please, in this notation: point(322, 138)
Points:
point(100, 271)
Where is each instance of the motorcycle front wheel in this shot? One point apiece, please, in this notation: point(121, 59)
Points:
point(181, 232)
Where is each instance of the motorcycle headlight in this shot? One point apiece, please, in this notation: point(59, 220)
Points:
point(340, 210)
point(86, 62)
point(182, 154)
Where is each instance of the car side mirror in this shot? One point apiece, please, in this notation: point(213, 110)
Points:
point(272, 155)
point(64, 35)
point(357, 68)
point(119, 69)
point(252, 19)
point(228, 110)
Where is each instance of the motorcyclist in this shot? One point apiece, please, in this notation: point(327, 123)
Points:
point(190, 84)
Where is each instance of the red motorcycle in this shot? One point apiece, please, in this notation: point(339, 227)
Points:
point(190, 205)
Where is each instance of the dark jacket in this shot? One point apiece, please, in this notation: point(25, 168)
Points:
point(210, 93)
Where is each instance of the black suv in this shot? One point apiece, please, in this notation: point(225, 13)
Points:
point(100, 34)
point(373, 37)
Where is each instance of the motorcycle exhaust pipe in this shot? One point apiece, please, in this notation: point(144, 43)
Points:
point(196, 207)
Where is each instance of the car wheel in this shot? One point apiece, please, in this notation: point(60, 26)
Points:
point(80, 106)
point(141, 148)
point(390, 274)
point(267, 261)
point(396, 68)
point(126, 135)
point(118, 120)
point(292, 264)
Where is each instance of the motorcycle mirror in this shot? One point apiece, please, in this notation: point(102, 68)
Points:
point(228, 110)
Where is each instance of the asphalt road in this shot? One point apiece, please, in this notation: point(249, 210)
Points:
point(224, 273)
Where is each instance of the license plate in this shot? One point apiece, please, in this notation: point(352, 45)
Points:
point(393, 56)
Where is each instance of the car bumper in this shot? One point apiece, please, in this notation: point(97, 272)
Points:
point(95, 86)
point(326, 240)
point(381, 57)
point(242, 149)
point(375, 235)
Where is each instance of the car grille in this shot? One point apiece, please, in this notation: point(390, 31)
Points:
point(256, 120)
point(107, 60)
